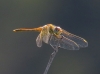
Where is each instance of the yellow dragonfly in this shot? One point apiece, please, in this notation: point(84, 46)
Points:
point(57, 38)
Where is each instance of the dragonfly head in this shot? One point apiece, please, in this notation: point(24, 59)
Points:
point(57, 30)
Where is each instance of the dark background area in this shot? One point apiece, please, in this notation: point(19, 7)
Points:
point(19, 53)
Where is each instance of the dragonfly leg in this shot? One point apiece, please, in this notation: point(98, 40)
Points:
point(50, 61)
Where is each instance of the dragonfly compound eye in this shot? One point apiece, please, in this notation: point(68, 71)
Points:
point(57, 30)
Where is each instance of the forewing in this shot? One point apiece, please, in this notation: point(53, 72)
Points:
point(68, 44)
point(63, 43)
point(80, 41)
point(39, 40)
point(54, 42)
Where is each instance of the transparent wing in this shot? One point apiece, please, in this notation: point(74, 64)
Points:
point(39, 40)
point(46, 38)
point(80, 41)
point(46, 35)
point(63, 43)
point(68, 44)
point(53, 41)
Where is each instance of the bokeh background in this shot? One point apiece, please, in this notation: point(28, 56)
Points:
point(18, 51)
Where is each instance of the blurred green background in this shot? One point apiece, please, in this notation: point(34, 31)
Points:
point(18, 51)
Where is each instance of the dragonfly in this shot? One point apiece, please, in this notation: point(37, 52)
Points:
point(57, 38)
